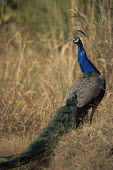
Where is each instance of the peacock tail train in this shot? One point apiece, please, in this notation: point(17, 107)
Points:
point(65, 120)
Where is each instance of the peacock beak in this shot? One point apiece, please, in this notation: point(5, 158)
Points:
point(71, 39)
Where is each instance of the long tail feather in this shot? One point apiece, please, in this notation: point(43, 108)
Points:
point(61, 123)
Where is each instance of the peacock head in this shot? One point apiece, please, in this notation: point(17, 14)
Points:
point(77, 40)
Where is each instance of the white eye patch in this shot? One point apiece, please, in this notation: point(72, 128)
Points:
point(75, 40)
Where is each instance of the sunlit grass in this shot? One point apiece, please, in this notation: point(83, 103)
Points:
point(36, 71)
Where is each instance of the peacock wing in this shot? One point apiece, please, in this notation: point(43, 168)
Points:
point(86, 89)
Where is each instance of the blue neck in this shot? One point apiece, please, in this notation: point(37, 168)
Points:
point(85, 64)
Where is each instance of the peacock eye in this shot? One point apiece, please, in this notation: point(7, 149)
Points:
point(76, 40)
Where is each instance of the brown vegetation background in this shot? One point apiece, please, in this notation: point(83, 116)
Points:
point(37, 68)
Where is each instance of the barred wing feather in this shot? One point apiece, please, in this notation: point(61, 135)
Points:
point(86, 89)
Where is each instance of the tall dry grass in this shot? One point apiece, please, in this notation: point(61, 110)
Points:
point(36, 71)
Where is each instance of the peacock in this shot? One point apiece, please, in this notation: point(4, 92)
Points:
point(86, 93)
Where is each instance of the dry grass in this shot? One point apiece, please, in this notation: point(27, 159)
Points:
point(35, 74)
point(86, 148)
